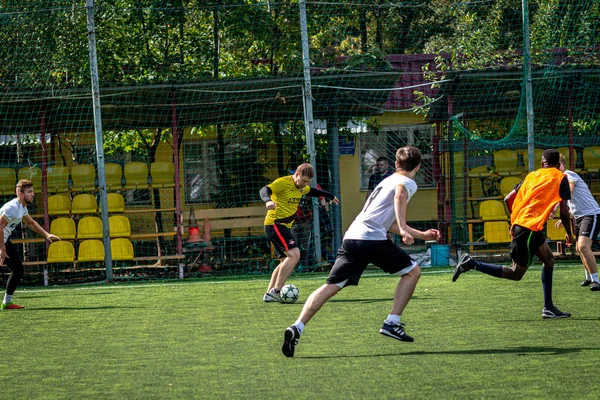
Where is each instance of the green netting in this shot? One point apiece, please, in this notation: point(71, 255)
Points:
point(221, 86)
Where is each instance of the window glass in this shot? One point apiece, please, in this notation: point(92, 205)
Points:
point(387, 140)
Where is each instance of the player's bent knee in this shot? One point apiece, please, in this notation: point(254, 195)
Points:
point(293, 254)
point(514, 273)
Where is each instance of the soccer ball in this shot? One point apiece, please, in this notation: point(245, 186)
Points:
point(289, 294)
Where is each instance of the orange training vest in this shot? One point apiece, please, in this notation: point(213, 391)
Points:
point(537, 197)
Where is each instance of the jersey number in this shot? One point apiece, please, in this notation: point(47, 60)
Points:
point(372, 197)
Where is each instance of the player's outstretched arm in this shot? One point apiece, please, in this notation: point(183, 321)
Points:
point(430, 234)
point(34, 226)
point(315, 192)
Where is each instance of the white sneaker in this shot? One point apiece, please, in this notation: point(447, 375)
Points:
point(272, 297)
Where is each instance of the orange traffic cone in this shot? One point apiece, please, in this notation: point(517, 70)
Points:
point(193, 229)
point(206, 232)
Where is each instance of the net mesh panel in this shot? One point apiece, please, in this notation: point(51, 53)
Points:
point(444, 76)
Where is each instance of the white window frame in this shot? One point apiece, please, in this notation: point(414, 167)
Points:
point(372, 146)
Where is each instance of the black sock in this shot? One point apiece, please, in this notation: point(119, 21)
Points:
point(490, 269)
point(547, 286)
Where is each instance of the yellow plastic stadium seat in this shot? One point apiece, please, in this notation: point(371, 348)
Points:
point(476, 180)
point(64, 228)
point(136, 175)
point(591, 158)
point(90, 250)
point(119, 226)
point(537, 159)
point(58, 179)
point(121, 249)
point(8, 181)
point(116, 202)
point(89, 228)
point(59, 204)
point(492, 210)
point(480, 171)
point(114, 174)
point(84, 203)
point(163, 174)
point(496, 232)
point(505, 162)
point(34, 174)
point(553, 233)
point(61, 252)
point(84, 178)
point(508, 184)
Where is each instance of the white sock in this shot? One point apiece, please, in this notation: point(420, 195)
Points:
point(300, 326)
point(594, 277)
point(392, 319)
point(588, 276)
point(7, 298)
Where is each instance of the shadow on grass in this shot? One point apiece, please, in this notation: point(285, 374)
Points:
point(79, 293)
point(560, 319)
point(546, 351)
point(334, 300)
point(80, 308)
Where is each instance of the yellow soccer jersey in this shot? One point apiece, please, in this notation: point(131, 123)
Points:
point(287, 197)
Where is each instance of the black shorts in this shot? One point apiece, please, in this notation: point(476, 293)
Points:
point(355, 255)
point(282, 238)
point(588, 226)
point(525, 244)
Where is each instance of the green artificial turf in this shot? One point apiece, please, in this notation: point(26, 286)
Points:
point(479, 337)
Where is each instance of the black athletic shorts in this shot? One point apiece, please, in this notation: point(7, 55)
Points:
point(588, 226)
point(282, 238)
point(355, 255)
point(525, 244)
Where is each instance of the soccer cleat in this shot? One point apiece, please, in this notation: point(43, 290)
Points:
point(272, 297)
point(465, 263)
point(554, 313)
point(290, 341)
point(396, 331)
point(11, 306)
point(595, 287)
point(586, 283)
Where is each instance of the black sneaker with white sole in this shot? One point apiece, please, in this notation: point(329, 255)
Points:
point(554, 313)
point(290, 341)
point(396, 331)
point(465, 263)
point(595, 287)
point(586, 282)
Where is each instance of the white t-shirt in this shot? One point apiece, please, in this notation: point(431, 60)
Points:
point(582, 202)
point(14, 212)
point(378, 214)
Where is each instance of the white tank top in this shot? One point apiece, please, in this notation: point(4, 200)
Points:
point(378, 213)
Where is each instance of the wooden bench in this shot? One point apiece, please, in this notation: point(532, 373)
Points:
point(239, 221)
point(231, 228)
